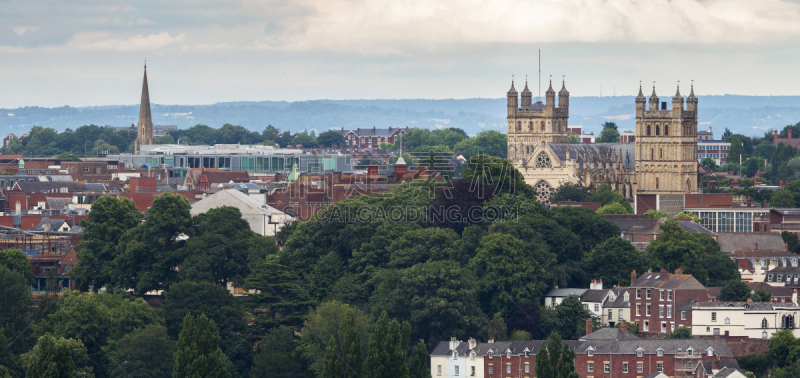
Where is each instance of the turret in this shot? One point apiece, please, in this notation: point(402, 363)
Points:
point(512, 100)
point(654, 98)
point(640, 102)
point(563, 96)
point(550, 97)
point(677, 100)
point(526, 95)
point(691, 101)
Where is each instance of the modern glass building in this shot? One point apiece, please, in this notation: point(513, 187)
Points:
point(729, 219)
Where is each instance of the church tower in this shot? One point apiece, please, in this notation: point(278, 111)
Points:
point(144, 130)
point(530, 124)
point(666, 145)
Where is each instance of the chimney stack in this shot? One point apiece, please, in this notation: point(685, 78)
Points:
point(776, 134)
point(679, 271)
point(588, 325)
point(790, 133)
point(756, 246)
point(633, 276)
point(623, 327)
point(596, 285)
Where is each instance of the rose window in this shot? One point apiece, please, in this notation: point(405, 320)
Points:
point(543, 191)
point(543, 161)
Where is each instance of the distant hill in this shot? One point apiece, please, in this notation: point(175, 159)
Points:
point(749, 115)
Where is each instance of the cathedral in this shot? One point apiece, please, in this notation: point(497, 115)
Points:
point(662, 160)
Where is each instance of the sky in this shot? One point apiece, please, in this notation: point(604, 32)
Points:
point(91, 52)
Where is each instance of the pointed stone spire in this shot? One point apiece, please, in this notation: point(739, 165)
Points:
point(640, 97)
point(678, 93)
point(563, 91)
point(550, 91)
point(526, 90)
point(691, 92)
point(512, 91)
point(526, 94)
point(653, 96)
point(145, 126)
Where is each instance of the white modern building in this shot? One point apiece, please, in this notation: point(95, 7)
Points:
point(264, 220)
point(758, 320)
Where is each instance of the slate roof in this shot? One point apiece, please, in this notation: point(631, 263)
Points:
point(609, 333)
point(673, 281)
point(58, 203)
point(598, 151)
point(619, 301)
point(374, 131)
point(669, 346)
point(635, 223)
point(50, 187)
point(443, 349)
point(565, 292)
point(594, 295)
point(230, 197)
point(745, 253)
point(655, 375)
point(695, 228)
point(730, 242)
point(54, 224)
point(708, 365)
point(727, 372)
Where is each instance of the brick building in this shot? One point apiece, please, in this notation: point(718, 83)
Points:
point(655, 296)
point(371, 138)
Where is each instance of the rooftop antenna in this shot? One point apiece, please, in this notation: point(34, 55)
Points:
point(539, 96)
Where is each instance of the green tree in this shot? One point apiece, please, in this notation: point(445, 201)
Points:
point(437, 298)
point(792, 242)
point(505, 274)
point(325, 322)
point(518, 335)
point(145, 352)
point(751, 166)
point(569, 192)
point(608, 136)
point(696, 253)
point(736, 151)
point(790, 371)
point(734, 290)
point(692, 216)
point(329, 138)
point(332, 368)
point(352, 350)
point(783, 348)
point(15, 302)
point(613, 262)
point(16, 261)
point(198, 353)
point(680, 333)
point(109, 219)
point(216, 303)
point(573, 138)
point(612, 208)
point(568, 317)
point(279, 290)
point(757, 363)
point(555, 359)
point(418, 362)
point(220, 247)
point(377, 363)
point(761, 295)
point(305, 139)
point(49, 359)
point(656, 214)
point(499, 173)
point(496, 328)
point(783, 198)
point(489, 142)
point(278, 357)
point(709, 163)
point(149, 254)
point(422, 245)
point(608, 125)
point(606, 195)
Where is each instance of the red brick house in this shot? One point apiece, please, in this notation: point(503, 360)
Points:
point(655, 297)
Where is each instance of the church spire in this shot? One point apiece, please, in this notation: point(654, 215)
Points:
point(145, 127)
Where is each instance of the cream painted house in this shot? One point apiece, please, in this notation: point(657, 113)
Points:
point(758, 320)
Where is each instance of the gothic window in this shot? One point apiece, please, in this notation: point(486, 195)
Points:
point(652, 157)
point(542, 125)
point(666, 129)
point(543, 161)
point(764, 323)
point(660, 154)
point(688, 186)
point(530, 126)
point(543, 190)
point(656, 182)
point(648, 130)
point(519, 126)
point(658, 129)
point(788, 322)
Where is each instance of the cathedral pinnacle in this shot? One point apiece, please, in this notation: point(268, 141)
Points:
point(640, 97)
point(563, 90)
point(653, 96)
point(512, 91)
point(678, 93)
point(550, 91)
point(691, 92)
point(526, 90)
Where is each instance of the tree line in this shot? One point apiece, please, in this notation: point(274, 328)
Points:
point(321, 288)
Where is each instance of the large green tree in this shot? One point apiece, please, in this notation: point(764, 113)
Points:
point(697, 254)
point(326, 321)
point(437, 298)
point(109, 219)
point(736, 151)
point(505, 275)
point(418, 362)
point(278, 356)
point(555, 359)
point(15, 306)
point(15, 260)
point(150, 253)
point(489, 142)
point(216, 303)
point(783, 198)
point(329, 138)
point(734, 290)
point(280, 293)
point(147, 352)
point(569, 318)
point(49, 359)
point(220, 247)
point(198, 353)
point(499, 173)
point(422, 245)
point(613, 262)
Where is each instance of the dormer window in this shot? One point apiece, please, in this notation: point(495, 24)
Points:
point(491, 354)
point(590, 352)
point(455, 355)
point(508, 354)
point(710, 352)
point(660, 352)
point(639, 353)
point(690, 352)
point(527, 353)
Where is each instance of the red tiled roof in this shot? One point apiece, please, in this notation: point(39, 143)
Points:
point(794, 142)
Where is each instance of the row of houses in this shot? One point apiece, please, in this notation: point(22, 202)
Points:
point(607, 352)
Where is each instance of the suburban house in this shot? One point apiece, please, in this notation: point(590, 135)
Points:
point(655, 296)
point(756, 320)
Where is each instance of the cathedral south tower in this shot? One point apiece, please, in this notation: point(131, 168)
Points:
point(666, 144)
point(530, 124)
point(144, 130)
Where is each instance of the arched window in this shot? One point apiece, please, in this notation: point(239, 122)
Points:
point(519, 126)
point(658, 129)
point(541, 125)
point(652, 156)
point(764, 334)
point(727, 320)
point(648, 130)
point(764, 323)
point(656, 182)
point(530, 126)
point(661, 154)
point(666, 129)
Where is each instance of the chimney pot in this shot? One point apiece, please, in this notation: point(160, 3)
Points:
point(749, 299)
point(623, 327)
point(776, 134)
point(679, 271)
point(588, 325)
point(790, 133)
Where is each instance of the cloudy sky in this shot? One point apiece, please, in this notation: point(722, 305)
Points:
point(90, 52)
